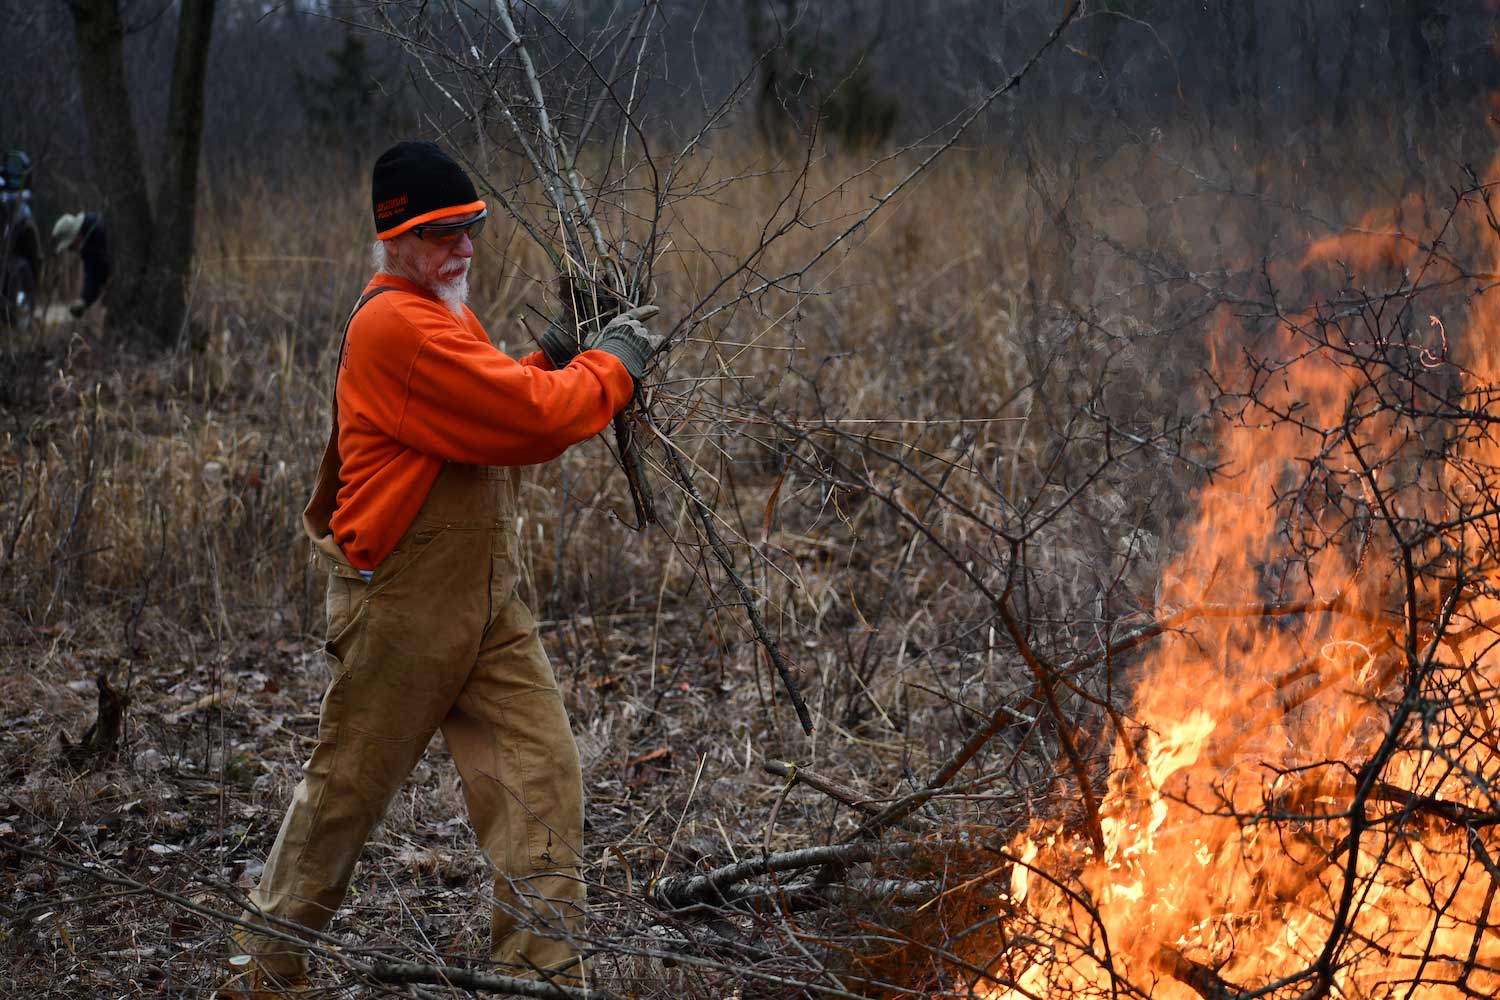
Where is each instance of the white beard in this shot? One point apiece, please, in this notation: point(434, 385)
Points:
point(451, 290)
point(453, 293)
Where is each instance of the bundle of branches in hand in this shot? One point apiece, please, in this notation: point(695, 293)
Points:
point(592, 312)
point(597, 294)
point(594, 309)
point(604, 283)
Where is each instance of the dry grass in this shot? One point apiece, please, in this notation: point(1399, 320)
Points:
point(148, 518)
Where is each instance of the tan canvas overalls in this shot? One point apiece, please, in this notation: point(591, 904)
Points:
point(436, 639)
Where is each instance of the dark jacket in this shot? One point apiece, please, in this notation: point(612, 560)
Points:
point(95, 253)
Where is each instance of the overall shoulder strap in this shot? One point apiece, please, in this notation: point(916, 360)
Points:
point(344, 337)
point(319, 511)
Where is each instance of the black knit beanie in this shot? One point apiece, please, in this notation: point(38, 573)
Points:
point(416, 182)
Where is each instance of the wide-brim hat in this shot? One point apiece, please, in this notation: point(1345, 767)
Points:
point(65, 230)
point(414, 183)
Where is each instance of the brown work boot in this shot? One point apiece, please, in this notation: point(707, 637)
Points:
point(250, 980)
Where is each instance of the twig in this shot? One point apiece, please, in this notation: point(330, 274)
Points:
point(411, 973)
point(1047, 678)
point(559, 177)
point(726, 561)
point(1203, 980)
point(880, 201)
point(679, 891)
point(829, 787)
point(558, 163)
point(1004, 715)
point(329, 947)
point(811, 893)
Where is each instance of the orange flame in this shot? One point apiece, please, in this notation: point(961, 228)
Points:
point(1237, 855)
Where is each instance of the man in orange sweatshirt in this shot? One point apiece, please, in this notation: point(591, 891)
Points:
point(414, 521)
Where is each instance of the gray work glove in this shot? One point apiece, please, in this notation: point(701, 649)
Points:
point(627, 339)
point(559, 343)
point(585, 310)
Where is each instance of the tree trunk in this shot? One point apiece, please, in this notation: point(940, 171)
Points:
point(116, 152)
point(177, 195)
point(1341, 97)
point(152, 253)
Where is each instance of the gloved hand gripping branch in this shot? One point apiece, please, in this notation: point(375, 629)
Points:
point(559, 343)
point(627, 339)
point(585, 311)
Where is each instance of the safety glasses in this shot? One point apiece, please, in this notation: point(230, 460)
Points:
point(445, 233)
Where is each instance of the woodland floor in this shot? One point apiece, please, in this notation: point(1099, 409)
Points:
point(212, 744)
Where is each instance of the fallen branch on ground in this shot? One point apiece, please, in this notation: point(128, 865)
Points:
point(801, 775)
point(412, 974)
point(807, 894)
point(681, 891)
point(1200, 978)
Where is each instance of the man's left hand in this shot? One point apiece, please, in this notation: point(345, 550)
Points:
point(627, 338)
point(585, 311)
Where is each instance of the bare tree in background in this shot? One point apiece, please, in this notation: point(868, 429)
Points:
point(151, 238)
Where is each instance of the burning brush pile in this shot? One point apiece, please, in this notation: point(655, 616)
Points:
point(1302, 795)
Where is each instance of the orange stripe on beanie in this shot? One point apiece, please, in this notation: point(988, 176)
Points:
point(415, 182)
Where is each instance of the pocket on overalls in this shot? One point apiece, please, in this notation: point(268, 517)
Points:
point(345, 606)
point(505, 568)
point(552, 784)
point(407, 551)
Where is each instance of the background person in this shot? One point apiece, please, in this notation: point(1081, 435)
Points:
point(84, 232)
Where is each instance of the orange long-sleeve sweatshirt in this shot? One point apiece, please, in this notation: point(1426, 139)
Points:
point(418, 386)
